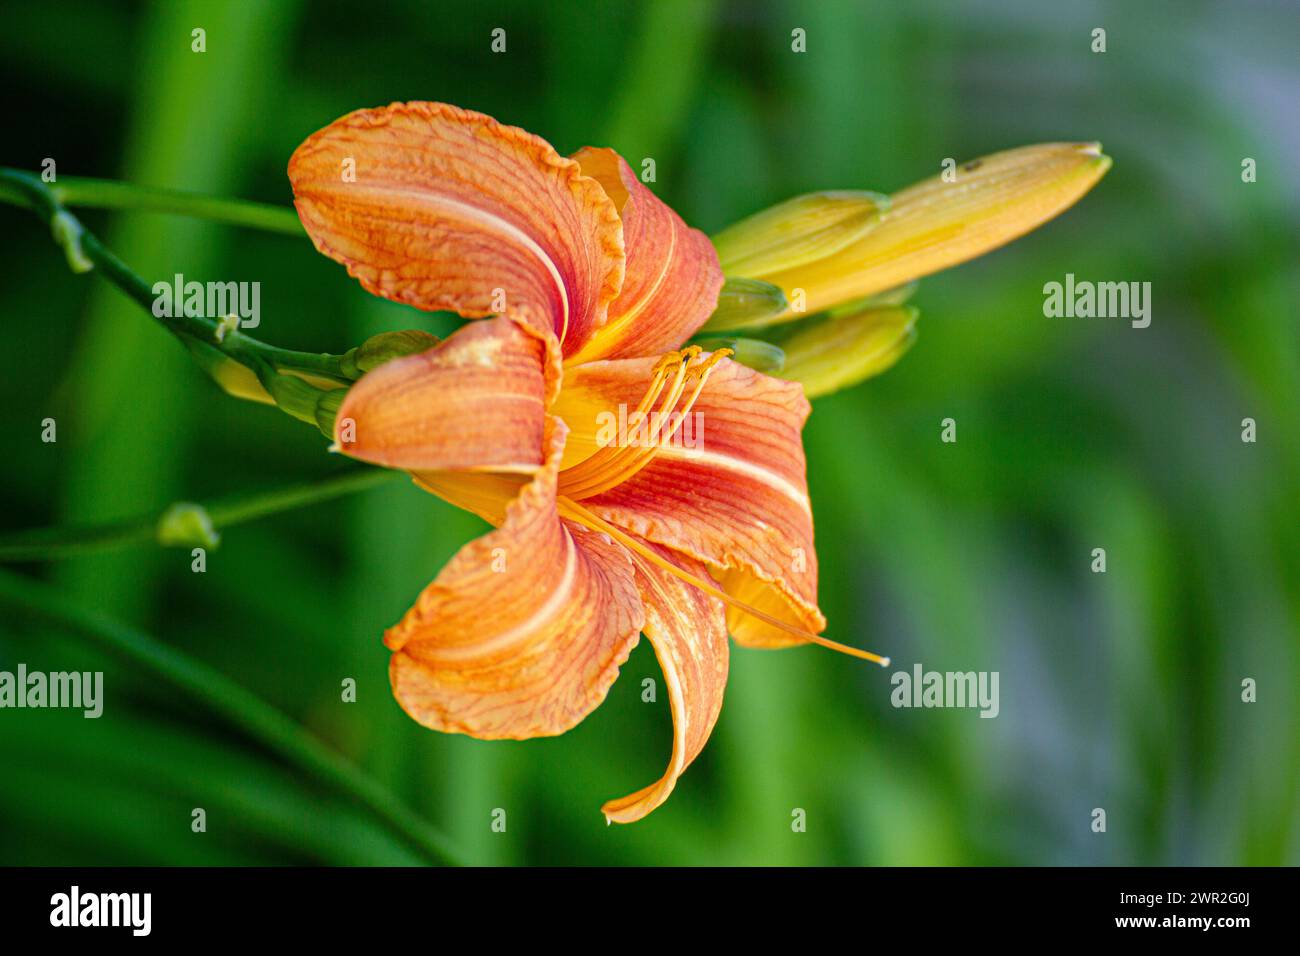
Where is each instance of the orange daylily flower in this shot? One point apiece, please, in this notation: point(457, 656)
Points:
point(593, 283)
point(587, 285)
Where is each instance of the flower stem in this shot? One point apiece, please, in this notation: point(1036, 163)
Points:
point(78, 191)
point(48, 544)
point(231, 702)
point(84, 252)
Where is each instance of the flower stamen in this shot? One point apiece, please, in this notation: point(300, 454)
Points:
point(611, 466)
point(641, 554)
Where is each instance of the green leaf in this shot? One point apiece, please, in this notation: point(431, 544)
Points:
point(231, 702)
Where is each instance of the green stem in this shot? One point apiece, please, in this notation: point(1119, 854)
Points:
point(84, 251)
point(232, 703)
point(46, 544)
point(83, 192)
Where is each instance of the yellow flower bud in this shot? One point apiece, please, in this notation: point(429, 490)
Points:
point(234, 379)
point(946, 220)
point(831, 353)
point(796, 232)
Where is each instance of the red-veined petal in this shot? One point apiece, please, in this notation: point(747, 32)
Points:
point(737, 500)
point(672, 275)
point(475, 401)
point(689, 633)
point(444, 208)
point(523, 632)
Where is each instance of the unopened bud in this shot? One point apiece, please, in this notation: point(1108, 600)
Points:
point(385, 347)
point(327, 409)
point(759, 355)
point(941, 222)
point(834, 352)
point(186, 524)
point(234, 379)
point(796, 232)
point(747, 304)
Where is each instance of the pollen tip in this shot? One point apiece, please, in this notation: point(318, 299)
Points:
point(665, 361)
point(714, 358)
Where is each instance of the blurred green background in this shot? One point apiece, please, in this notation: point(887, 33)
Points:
point(1118, 690)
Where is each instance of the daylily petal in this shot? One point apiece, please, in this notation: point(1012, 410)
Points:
point(672, 277)
point(444, 208)
point(737, 501)
point(936, 224)
point(689, 634)
point(523, 632)
point(475, 401)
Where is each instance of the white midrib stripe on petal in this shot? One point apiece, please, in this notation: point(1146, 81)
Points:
point(559, 598)
point(486, 219)
point(758, 473)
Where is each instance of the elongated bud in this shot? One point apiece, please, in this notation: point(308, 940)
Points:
point(308, 398)
point(385, 347)
point(834, 352)
point(295, 396)
point(327, 409)
point(759, 355)
point(939, 223)
point(796, 232)
point(895, 296)
point(234, 379)
point(747, 304)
